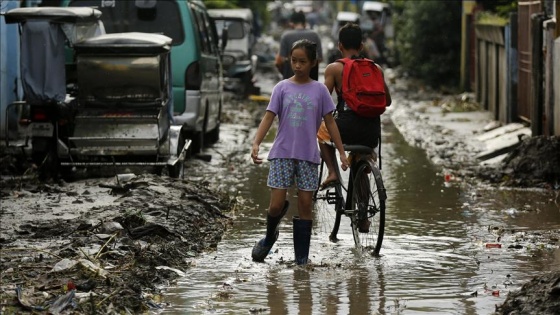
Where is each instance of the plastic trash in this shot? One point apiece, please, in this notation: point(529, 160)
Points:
point(25, 303)
point(62, 302)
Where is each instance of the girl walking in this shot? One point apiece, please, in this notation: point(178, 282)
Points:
point(300, 103)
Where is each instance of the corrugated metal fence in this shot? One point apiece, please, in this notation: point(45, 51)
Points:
point(515, 76)
point(491, 74)
point(526, 9)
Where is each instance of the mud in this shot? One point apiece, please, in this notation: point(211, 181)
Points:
point(541, 295)
point(534, 163)
point(108, 247)
point(445, 125)
point(110, 258)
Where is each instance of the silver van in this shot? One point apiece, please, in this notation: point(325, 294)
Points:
point(239, 61)
point(195, 56)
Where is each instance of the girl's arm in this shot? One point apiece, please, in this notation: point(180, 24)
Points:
point(264, 126)
point(335, 137)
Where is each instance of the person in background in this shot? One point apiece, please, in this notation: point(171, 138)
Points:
point(370, 49)
point(354, 129)
point(298, 31)
point(300, 104)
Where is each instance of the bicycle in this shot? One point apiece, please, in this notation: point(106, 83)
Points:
point(362, 200)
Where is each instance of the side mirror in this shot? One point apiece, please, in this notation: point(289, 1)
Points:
point(224, 38)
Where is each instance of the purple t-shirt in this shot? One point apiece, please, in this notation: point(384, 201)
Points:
point(300, 109)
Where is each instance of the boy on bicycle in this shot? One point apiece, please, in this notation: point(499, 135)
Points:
point(354, 129)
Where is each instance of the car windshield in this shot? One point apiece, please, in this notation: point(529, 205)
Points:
point(126, 16)
point(234, 27)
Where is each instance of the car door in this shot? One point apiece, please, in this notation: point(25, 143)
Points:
point(210, 67)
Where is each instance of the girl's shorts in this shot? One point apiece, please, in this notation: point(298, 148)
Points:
point(284, 172)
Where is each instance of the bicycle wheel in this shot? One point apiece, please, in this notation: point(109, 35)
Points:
point(368, 208)
point(329, 207)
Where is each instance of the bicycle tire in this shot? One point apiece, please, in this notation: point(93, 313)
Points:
point(329, 207)
point(368, 202)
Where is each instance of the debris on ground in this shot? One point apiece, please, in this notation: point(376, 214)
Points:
point(534, 163)
point(113, 258)
point(541, 295)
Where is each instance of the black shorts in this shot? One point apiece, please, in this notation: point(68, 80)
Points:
point(359, 130)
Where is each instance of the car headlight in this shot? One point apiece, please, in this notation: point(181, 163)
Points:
point(228, 60)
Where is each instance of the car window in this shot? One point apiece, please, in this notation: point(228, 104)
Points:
point(211, 32)
point(235, 28)
point(205, 32)
point(125, 16)
point(202, 34)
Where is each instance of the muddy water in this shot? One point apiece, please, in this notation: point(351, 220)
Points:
point(439, 256)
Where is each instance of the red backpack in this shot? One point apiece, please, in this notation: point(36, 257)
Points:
point(363, 87)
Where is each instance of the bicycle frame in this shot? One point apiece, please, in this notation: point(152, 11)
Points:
point(342, 195)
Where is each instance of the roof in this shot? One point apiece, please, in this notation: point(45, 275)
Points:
point(374, 6)
point(243, 14)
point(54, 14)
point(303, 5)
point(347, 16)
point(128, 42)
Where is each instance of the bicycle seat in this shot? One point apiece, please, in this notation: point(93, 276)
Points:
point(356, 148)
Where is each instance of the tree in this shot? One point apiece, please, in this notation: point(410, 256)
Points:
point(428, 40)
point(500, 7)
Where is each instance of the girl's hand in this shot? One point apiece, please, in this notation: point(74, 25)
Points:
point(255, 154)
point(344, 164)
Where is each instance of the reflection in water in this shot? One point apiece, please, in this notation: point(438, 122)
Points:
point(322, 290)
point(277, 297)
point(302, 290)
point(433, 260)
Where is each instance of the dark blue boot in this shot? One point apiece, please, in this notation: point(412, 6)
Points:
point(263, 246)
point(302, 239)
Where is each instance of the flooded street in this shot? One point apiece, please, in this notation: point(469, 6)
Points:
point(447, 249)
point(107, 104)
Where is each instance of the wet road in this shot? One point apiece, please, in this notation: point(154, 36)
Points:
point(436, 256)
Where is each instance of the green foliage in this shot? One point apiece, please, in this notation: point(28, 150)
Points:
point(499, 7)
point(220, 4)
point(489, 18)
point(428, 40)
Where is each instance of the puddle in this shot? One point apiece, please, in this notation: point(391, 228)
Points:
point(438, 257)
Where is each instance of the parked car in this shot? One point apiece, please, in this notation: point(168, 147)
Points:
point(239, 61)
point(195, 56)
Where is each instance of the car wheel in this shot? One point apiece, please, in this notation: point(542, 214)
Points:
point(247, 80)
point(214, 135)
point(197, 141)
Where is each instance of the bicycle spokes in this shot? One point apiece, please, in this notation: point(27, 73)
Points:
point(362, 200)
point(368, 215)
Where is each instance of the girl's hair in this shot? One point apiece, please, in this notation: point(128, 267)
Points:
point(309, 47)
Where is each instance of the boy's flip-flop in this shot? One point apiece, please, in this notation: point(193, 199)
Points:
point(328, 185)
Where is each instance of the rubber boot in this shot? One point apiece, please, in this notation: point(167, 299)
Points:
point(264, 245)
point(302, 239)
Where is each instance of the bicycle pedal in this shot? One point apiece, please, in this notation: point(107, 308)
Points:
point(332, 198)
